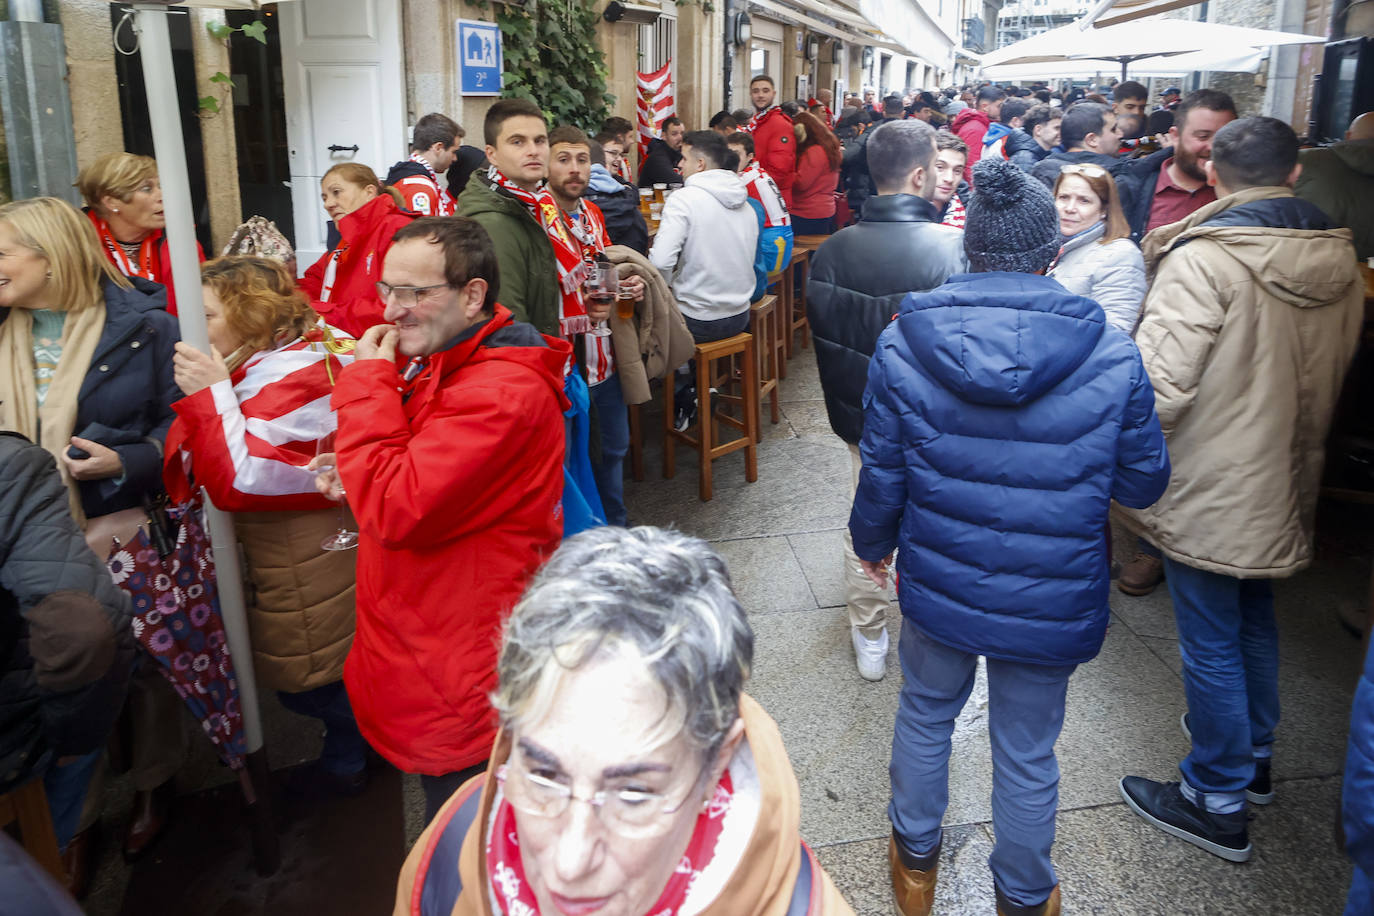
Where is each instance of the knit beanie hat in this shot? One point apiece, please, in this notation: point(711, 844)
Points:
point(1011, 220)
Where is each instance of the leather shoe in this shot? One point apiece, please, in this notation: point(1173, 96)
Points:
point(913, 889)
point(77, 859)
point(152, 813)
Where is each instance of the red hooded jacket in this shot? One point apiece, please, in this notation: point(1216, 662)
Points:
point(352, 304)
point(971, 125)
point(775, 147)
point(456, 480)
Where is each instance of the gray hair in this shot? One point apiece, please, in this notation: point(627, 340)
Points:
point(662, 595)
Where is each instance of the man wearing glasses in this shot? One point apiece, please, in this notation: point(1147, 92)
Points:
point(454, 471)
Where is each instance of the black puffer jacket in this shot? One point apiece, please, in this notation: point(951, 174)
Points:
point(1022, 150)
point(126, 397)
point(859, 277)
point(660, 165)
point(66, 646)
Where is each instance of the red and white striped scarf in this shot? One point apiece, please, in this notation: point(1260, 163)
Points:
point(572, 271)
point(146, 250)
point(756, 119)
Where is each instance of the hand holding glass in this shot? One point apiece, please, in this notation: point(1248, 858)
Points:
point(325, 463)
point(603, 283)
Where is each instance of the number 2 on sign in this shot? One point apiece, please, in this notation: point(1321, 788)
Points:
point(481, 79)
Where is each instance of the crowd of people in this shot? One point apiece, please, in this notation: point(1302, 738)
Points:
point(1029, 308)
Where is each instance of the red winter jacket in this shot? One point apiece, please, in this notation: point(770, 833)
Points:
point(352, 304)
point(457, 490)
point(970, 125)
point(775, 147)
point(813, 194)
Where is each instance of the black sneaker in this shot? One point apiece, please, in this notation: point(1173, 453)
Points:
point(1261, 788)
point(1163, 805)
point(683, 418)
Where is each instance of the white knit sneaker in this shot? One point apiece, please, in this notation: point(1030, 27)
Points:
point(871, 654)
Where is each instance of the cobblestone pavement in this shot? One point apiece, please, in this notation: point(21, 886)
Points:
point(781, 538)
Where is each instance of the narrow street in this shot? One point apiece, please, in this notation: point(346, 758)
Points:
point(781, 538)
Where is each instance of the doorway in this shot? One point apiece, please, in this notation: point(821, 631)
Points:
point(259, 111)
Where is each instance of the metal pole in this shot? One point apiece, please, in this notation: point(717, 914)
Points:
point(164, 112)
point(26, 10)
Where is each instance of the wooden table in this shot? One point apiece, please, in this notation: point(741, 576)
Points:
point(809, 242)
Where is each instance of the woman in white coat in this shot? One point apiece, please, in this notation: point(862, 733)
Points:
point(1098, 259)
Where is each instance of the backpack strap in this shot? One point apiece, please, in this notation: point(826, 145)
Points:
point(805, 900)
point(436, 890)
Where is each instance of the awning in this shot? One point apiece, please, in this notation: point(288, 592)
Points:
point(798, 16)
point(1128, 10)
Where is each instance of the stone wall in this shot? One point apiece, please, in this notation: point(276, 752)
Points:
point(1247, 89)
point(93, 84)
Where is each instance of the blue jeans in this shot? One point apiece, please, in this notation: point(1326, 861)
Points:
point(609, 472)
point(1025, 714)
point(345, 750)
point(1230, 648)
point(1360, 901)
point(66, 788)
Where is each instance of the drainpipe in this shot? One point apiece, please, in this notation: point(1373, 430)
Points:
point(26, 10)
point(729, 54)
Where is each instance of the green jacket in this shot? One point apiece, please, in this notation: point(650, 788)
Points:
point(529, 273)
point(1340, 179)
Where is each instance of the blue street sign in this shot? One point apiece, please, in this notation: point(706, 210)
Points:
point(479, 58)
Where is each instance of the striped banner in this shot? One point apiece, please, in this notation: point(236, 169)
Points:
point(655, 103)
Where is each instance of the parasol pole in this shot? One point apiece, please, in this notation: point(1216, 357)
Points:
point(150, 22)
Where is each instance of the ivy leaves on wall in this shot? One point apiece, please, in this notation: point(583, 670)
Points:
point(552, 59)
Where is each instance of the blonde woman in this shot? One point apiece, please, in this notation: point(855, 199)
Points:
point(342, 284)
point(253, 413)
point(86, 372)
point(124, 203)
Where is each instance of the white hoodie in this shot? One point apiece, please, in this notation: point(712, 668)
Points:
point(706, 244)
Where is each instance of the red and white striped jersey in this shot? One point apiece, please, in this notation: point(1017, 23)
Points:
point(248, 439)
point(422, 194)
point(588, 226)
point(762, 188)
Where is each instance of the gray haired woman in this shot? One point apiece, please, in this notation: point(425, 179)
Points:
point(632, 774)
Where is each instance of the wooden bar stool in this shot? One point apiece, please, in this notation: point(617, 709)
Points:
point(28, 805)
point(636, 443)
point(763, 324)
point(707, 356)
point(780, 285)
point(794, 318)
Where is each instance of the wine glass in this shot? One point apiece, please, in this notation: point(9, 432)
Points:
point(326, 460)
point(603, 283)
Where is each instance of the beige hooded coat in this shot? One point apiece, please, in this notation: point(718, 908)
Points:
point(1247, 333)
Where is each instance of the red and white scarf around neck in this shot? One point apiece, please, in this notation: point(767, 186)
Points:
point(757, 119)
point(115, 252)
point(506, 870)
point(567, 253)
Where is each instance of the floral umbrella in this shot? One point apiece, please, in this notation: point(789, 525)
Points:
point(177, 622)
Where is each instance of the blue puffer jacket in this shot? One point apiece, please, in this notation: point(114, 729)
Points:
point(1357, 806)
point(1001, 416)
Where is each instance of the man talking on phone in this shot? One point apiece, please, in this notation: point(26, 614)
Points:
point(453, 466)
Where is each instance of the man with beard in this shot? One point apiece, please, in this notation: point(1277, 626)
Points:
point(661, 162)
point(570, 167)
point(775, 144)
point(1171, 184)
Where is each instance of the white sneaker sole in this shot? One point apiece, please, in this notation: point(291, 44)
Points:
point(1216, 849)
point(1253, 798)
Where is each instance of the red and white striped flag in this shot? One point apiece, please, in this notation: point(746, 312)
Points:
point(655, 103)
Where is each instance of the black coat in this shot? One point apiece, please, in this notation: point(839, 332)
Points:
point(660, 165)
point(126, 398)
point(1137, 180)
point(66, 646)
point(854, 175)
point(624, 223)
point(1023, 151)
point(858, 279)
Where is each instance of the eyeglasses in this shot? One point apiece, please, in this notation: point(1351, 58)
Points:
point(634, 814)
point(1084, 168)
point(407, 297)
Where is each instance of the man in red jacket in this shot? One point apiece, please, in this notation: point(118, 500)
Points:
point(971, 124)
point(454, 470)
point(775, 145)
